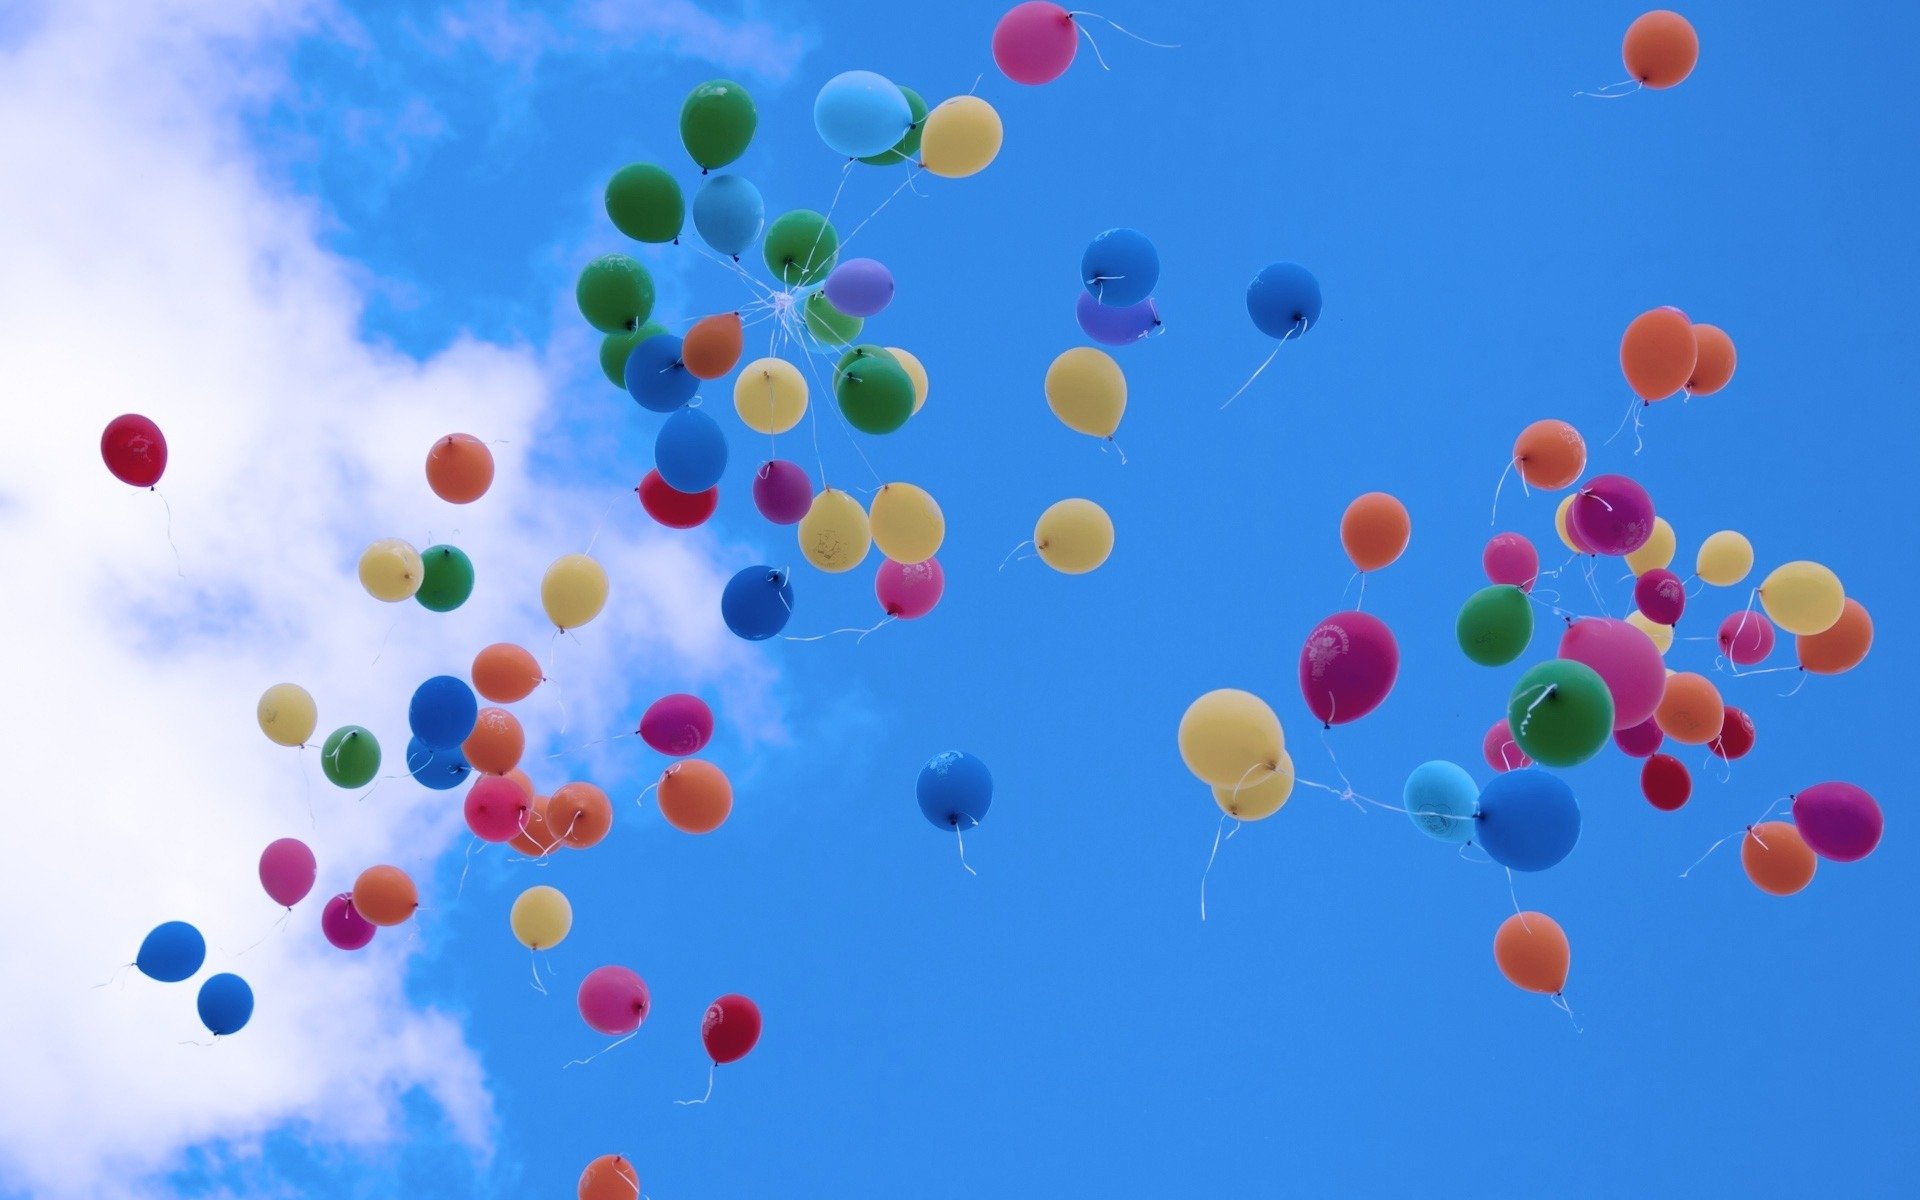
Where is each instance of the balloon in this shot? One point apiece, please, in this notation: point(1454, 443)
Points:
point(1374, 530)
point(728, 213)
point(1660, 49)
point(915, 370)
point(960, 138)
point(717, 122)
point(441, 770)
point(1736, 736)
point(695, 796)
point(459, 468)
point(1803, 598)
point(1838, 820)
point(573, 591)
point(1639, 741)
point(537, 837)
point(173, 951)
point(678, 725)
point(782, 492)
point(1509, 558)
point(609, 1177)
point(350, 757)
point(955, 789)
point(690, 452)
point(134, 450)
point(1690, 709)
point(1612, 514)
point(1724, 558)
point(442, 712)
point(1531, 950)
point(1230, 738)
point(1657, 552)
point(1745, 638)
point(906, 523)
point(834, 535)
point(504, 673)
point(770, 395)
point(1284, 300)
point(225, 1004)
point(1839, 648)
point(385, 895)
point(1665, 783)
point(828, 325)
point(446, 578)
point(1495, 625)
point(1569, 537)
point(496, 808)
point(1120, 268)
point(1441, 799)
point(343, 926)
point(580, 814)
point(1087, 391)
point(859, 113)
point(1549, 455)
point(1347, 667)
point(1777, 858)
point(909, 590)
point(645, 203)
point(617, 347)
point(1500, 750)
point(1660, 595)
point(860, 287)
point(287, 714)
point(1035, 42)
point(875, 393)
point(613, 1000)
point(286, 871)
point(541, 917)
point(712, 346)
point(391, 570)
point(1528, 820)
point(614, 292)
point(1073, 536)
point(1112, 326)
point(1713, 360)
point(1657, 353)
point(1626, 661)
point(757, 603)
point(1660, 635)
point(903, 150)
point(730, 1029)
point(675, 509)
point(1561, 712)
point(800, 247)
point(1257, 801)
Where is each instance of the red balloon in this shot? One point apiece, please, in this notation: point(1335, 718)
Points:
point(731, 1028)
point(134, 450)
point(1639, 741)
point(674, 509)
point(497, 808)
point(1736, 735)
point(1665, 783)
point(1347, 667)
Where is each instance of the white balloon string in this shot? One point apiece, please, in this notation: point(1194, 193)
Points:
point(1119, 29)
point(709, 1095)
point(467, 866)
point(1607, 92)
point(382, 647)
point(1012, 552)
point(1560, 1002)
point(906, 183)
point(178, 568)
point(1097, 56)
point(1116, 448)
point(1508, 470)
point(1546, 691)
point(1515, 897)
point(604, 517)
point(1263, 366)
point(963, 850)
point(821, 637)
point(538, 986)
point(581, 1062)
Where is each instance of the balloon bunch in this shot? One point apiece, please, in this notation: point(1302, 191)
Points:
point(174, 952)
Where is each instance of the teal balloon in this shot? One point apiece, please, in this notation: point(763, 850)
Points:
point(728, 213)
point(644, 202)
point(446, 580)
point(908, 147)
point(1560, 713)
point(1442, 798)
point(1495, 625)
point(615, 347)
point(614, 293)
point(350, 757)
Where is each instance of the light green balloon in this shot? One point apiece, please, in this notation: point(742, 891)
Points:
point(800, 247)
point(828, 324)
point(644, 202)
point(1560, 713)
point(1495, 625)
point(446, 579)
point(350, 757)
point(909, 143)
point(875, 394)
point(717, 123)
point(614, 293)
point(615, 347)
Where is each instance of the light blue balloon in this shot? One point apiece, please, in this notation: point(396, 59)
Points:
point(1442, 798)
point(1120, 267)
point(691, 451)
point(954, 790)
point(757, 603)
point(859, 114)
point(657, 378)
point(1528, 819)
point(172, 952)
point(728, 213)
point(1284, 299)
point(226, 1004)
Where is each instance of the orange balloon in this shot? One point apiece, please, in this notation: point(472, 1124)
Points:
point(520, 777)
point(1657, 353)
point(536, 837)
point(505, 673)
point(1375, 530)
point(385, 895)
point(1777, 858)
point(580, 813)
point(459, 468)
point(1841, 646)
point(496, 743)
point(1550, 454)
point(713, 345)
point(609, 1177)
point(1713, 360)
point(1660, 49)
point(1532, 952)
point(695, 796)
point(1690, 709)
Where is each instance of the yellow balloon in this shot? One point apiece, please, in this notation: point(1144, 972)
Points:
point(1560, 522)
point(1255, 801)
point(907, 524)
point(835, 534)
point(1662, 635)
point(916, 371)
point(1724, 559)
point(770, 395)
point(1074, 536)
point(960, 137)
point(287, 714)
point(1657, 552)
point(1087, 391)
point(1230, 739)
point(390, 570)
point(541, 917)
point(1803, 597)
point(574, 591)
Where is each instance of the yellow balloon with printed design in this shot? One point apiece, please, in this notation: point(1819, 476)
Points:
point(573, 591)
point(1074, 536)
point(835, 534)
point(390, 570)
point(1724, 558)
point(770, 395)
point(916, 371)
point(1231, 738)
point(541, 917)
point(1804, 598)
point(1087, 390)
point(907, 524)
point(287, 714)
point(1656, 552)
point(960, 137)
point(1256, 801)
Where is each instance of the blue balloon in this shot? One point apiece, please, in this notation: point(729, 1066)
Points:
point(1120, 267)
point(1441, 798)
point(656, 377)
point(226, 1002)
point(442, 713)
point(172, 952)
point(955, 790)
point(859, 114)
point(691, 451)
point(757, 603)
point(1284, 299)
point(438, 769)
point(1528, 819)
point(1115, 326)
point(728, 213)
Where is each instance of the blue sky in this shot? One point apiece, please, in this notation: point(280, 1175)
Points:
point(1064, 1024)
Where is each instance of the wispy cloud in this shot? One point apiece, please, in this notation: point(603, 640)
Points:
point(508, 33)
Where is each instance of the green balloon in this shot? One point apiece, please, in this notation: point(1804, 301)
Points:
point(717, 123)
point(909, 143)
point(645, 203)
point(614, 293)
point(615, 347)
point(1495, 625)
point(828, 324)
point(1561, 713)
point(800, 247)
point(446, 578)
point(350, 757)
point(855, 354)
point(875, 393)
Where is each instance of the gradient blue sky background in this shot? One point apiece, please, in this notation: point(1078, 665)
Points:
point(1064, 1024)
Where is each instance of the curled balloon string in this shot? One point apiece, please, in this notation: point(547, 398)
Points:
point(1481, 862)
point(1088, 34)
point(534, 958)
point(1546, 693)
point(962, 843)
point(1116, 447)
point(1749, 829)
point(711, 1066)
point(581, 1062)
point(1556, 572)
point(202, 1045)
point(178, 568)
point(1726, 765)
point(1593, 585)
point(1560, 1002)
point(1515, 897)
point(1555, 609)
point(821, 637)
point(382, 648)
point(468, 866)
point(1795, 689)
point(119, 976)
point(1636, 411)
point(1511, 464)
point(1263, 366)
point(1014, 551)
point(1215, 853)
point(639, 801)
point(1607, 92)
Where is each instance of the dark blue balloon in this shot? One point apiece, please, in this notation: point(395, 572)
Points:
point(1120, 267)
point(1284, 299)
point(955, 789)
point(1528, 819)
point(691, 451)
point(438, 769)
point(442, 713)
point(757, 603)
point(656, 377)
point(172, 952)
point(728, 213)
point(226, 1002)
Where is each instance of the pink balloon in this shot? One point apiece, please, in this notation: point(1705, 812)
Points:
point(1035, 42)
point(343, 925)
point(1626, 660)
point(1660, 596)
point(1640, 741)
point(1347, 667)
point(286, 871)
point(678, 724)
point(782, 492)
point(613, 1000)
point(497, 808)
point(909, 590)
point(1511, 559)
point(1838, 821)
point(1746, 638)
point(1500, 750)
point(1612, 515)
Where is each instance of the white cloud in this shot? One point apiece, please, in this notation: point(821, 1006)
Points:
point(508, 33)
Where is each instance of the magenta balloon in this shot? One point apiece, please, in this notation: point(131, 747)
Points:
point(1035, 42)
point(1112, 326)
point(496, 808)
point(782, 492)
point(1640, 741)
point(909, 590)
point(1511, 559)
point(1838, 821)
point(1612, 514)
point(613, 1000)
point(1347, 667)
point(1500, 750)
point(286, 871)
point(678, 724)
point(1660, 596)
point(1746, 637)
point(860, 287)
point(1625, 659)
point(343, 925)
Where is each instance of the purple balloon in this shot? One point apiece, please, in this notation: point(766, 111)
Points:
point(343, 924)
point(1115, 326)
point(286, 871)
point(1838, 821)
point(1626, 660)
point(1746, 638)
point(1660, 596)
point(860, 287)
point(613, 1000)
point(909, 590)
point(1511, 559)
point(1347, 667)
point(1612, 515)
point(678, 724)
point(782, 492)
point(1640, 741)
